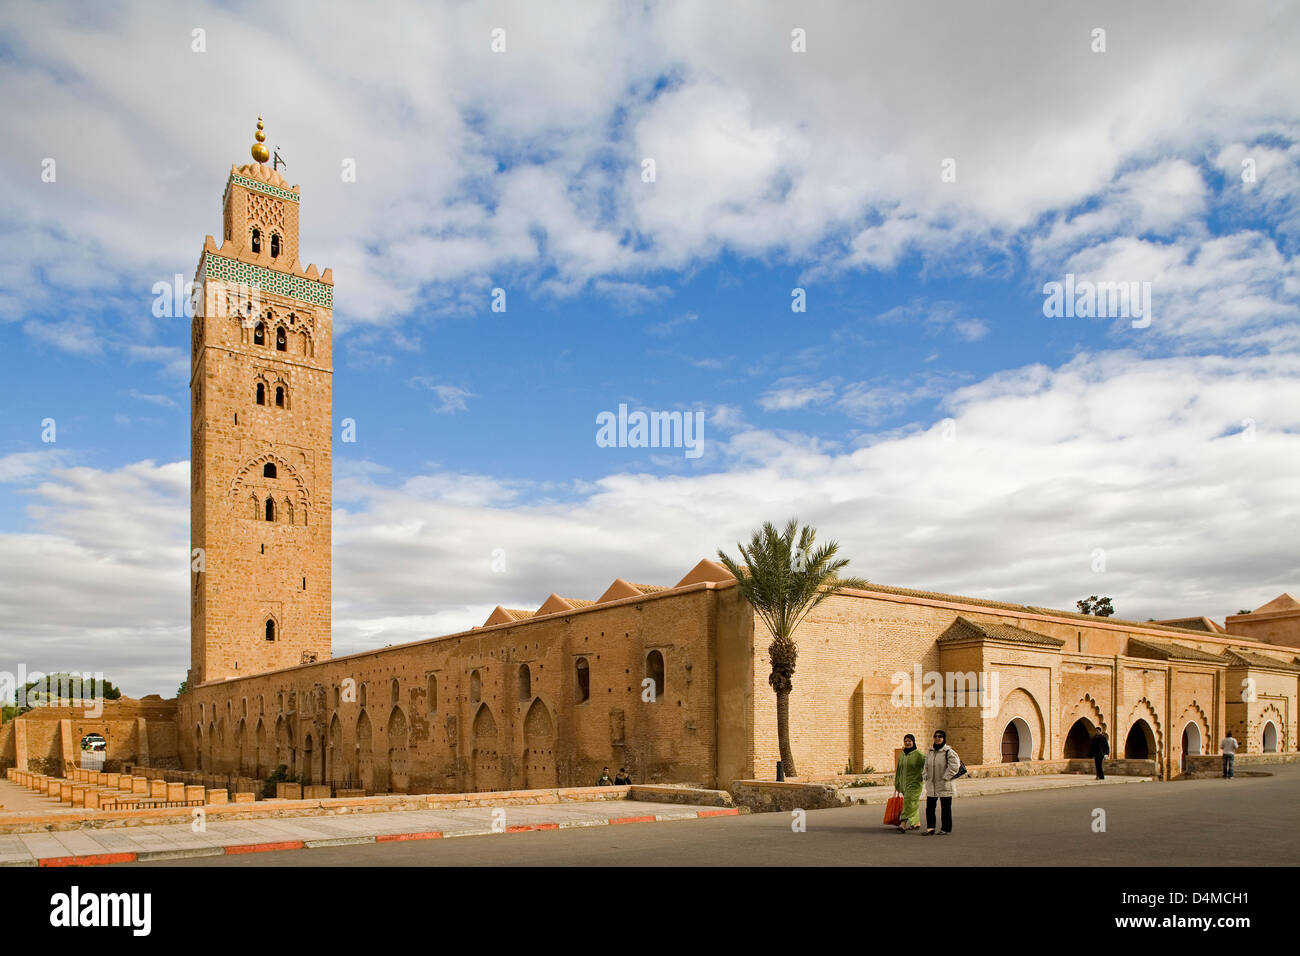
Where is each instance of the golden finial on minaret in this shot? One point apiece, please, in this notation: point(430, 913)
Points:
point(260, 152)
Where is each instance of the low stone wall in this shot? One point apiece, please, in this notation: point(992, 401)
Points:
point(1021, 768)
point(76, 818)
point(210, 781)
point(691, 796)
point(768, 796)
point(1211, 765)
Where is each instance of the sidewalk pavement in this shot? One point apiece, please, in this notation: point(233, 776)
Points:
point(90, 847)
point(986, 786)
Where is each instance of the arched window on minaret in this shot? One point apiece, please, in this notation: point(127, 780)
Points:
point(270, 508)
point(257, 239)
point(288, 511)
point(270, 629)
point(279, 396)
point(261, 394)
point(275, 245)
point(259, 334)
point(268, 470)
point(281, 344)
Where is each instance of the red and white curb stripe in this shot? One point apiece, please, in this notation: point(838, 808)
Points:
point(142, 856)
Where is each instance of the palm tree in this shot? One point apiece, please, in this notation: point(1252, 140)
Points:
point(783, 578)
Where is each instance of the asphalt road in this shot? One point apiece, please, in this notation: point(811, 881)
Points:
point(1246, 822)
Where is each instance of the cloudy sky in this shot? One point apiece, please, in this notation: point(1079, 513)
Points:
point(920, 171)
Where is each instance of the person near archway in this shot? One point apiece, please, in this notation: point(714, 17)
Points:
point(1229, 749)
point(909, 780)
point(940, 770)
point(604, 780)
point(1099, 749)
point(622, 778)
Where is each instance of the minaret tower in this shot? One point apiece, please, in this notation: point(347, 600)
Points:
point(261, 388)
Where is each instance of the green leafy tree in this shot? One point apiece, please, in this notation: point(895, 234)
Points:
point(52, 688)
point(184, 688)
point(1092, 604)
point(785, 576)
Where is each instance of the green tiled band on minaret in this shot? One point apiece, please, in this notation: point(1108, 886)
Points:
point(280, 283)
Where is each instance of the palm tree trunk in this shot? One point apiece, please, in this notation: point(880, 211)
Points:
point(783, 731)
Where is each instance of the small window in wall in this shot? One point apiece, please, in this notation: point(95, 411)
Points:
point(259, 334)
point(583, 673)
point(261, 394)
point(433, 692)
point(275, 245)
point(270, 629)
point(279, 396)
point(304, 584)
point(525, 682)
point(257, 239)
point(281, 343)
point(475, 687)
point(270, 509)
point(654, 670)
point(268, 470)
point(396, 691)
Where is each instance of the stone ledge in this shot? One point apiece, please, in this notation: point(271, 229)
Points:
point(79, 818)
point(1020, 768)
point(690, 796)
point(768, 796)
point(1211, 765)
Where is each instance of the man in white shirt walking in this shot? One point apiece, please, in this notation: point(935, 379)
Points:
point(1229, 749)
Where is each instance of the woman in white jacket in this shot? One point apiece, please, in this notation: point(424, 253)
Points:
point(941, 766)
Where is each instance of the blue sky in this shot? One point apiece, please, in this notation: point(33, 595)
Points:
point(923, 410)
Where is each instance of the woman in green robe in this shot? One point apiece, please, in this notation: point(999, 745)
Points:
point(909, 781)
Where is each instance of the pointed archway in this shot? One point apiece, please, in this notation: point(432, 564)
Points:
point(539, 748)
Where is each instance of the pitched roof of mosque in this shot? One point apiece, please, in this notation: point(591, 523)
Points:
point(964, 629)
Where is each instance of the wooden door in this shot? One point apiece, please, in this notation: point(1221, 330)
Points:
point(1010, 744)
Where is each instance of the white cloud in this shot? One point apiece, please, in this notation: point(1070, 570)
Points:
point(525, 167)
point(165, 400)
point(669, 326)
point(24, 466)
point(1235, 290)
point(451, 398)
point(789, 394)
point(937, 318)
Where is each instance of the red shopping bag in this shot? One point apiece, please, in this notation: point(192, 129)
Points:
point(894, 810)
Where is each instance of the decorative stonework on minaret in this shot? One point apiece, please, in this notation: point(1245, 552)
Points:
point(262, 390)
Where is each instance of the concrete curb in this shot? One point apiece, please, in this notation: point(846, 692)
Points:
point(142, 856)
point(185, 854)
